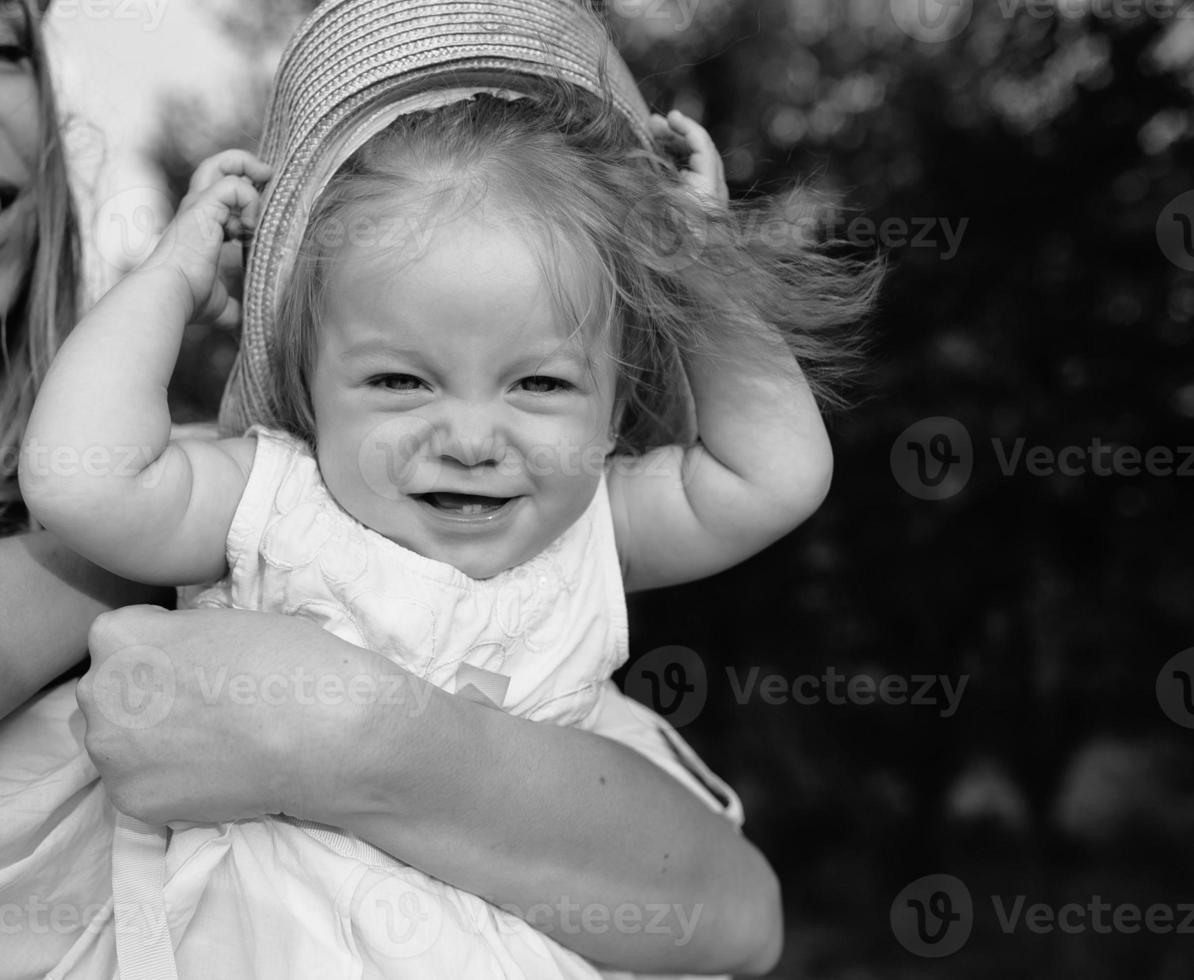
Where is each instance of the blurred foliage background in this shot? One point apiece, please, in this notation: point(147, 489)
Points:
point(1052, 137)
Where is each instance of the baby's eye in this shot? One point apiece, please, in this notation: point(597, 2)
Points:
point(396, 382)
point(12, 53)
point(541, 384)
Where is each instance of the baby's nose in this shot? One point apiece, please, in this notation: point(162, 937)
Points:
point(471, 436)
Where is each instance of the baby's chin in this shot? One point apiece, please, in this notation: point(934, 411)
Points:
point(486, 566)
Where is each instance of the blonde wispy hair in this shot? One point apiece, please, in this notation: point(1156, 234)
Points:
point(674, 277)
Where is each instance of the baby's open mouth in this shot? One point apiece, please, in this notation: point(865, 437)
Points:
point(8, 195)
point(464, 504)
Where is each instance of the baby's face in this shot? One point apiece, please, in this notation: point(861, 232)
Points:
point(456, 412)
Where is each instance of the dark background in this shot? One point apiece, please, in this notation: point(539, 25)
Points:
point(1060, 137)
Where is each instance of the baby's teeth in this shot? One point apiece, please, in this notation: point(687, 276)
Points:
point(472, 509)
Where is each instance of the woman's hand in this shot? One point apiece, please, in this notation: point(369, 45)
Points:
point(212, 715)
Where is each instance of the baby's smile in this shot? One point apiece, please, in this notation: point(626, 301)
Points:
point(472, 507)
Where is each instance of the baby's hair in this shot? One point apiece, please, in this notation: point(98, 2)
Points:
point(44, 311)
point(673, 276)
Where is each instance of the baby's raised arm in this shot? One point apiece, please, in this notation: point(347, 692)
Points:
point(98, 467)
point(762, 462)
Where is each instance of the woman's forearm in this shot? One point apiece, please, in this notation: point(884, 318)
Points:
point(49, 597)
point(608, 854)
point(577, 834)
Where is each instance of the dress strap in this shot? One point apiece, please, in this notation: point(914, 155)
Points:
point(144, 950)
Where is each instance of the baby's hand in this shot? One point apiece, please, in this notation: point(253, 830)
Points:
point(705, 174)
point(220, 207)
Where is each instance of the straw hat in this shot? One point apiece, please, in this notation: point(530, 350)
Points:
point(353, 68)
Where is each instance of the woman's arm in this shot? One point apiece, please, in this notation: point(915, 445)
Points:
point(582, 836)
point(49, 597)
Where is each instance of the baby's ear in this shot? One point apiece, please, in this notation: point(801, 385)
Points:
point(615, 424)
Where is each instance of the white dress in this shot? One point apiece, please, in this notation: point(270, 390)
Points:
point(279, 898)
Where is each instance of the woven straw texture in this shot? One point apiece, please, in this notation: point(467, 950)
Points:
point(355, 65)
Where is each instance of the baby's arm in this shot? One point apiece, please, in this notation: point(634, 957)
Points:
point(98, 467)
point(762, 462)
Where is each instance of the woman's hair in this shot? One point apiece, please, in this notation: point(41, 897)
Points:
point(46, 305)
point(673, 277)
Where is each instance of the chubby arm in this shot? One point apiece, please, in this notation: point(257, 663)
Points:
point(762, 461)
point(762, 465)
point(544, 820)
point(49, 597)
point(98, 467)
